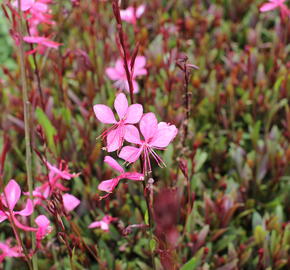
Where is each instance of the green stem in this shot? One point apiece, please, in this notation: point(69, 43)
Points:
point(148, 194)
point(26, 107)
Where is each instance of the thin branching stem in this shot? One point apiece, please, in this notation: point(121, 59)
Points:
point(26, 109)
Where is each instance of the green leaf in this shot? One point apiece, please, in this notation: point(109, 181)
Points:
point(48, 128)
point(190, 265)
point(199, 160)
point(146, 217)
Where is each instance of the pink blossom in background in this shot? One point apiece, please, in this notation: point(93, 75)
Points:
point(273, 4)
point(103, 223)
point(109, 185)
point(156, 135)
point(25, 4)
point(118, 73)
point(6, 251)
point(42, 43)
point(127, 115)
point(9, 199)
point(70, 202)
point(131, 14)
point(36, 12)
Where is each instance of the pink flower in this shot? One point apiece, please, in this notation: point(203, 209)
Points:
point(109, 185)
point(70, 202)
point(41, 42)
point(103, 223)
point(127, 115)
point(273, 4)
point(118, 73)
point(131, 14)
point(54, 176)
point(43, 229)
point(157, 136)
point(8, 251)
point(9, 199)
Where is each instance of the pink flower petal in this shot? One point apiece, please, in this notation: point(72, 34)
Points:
point(2, 216)
point(148, 125)
point(268, 6)
point(42, 221)
point(112, 73)
point(135, 87)
point(133, 176)
point(115, 139)
point(119, 66)
point(108, 185)
point(140, 62)
point(134, 114)
point(43, 227)
point(130, 153)
point(25, 4)
point(42, 40)
point(114, 164)
point(95, 224)
point(132, 134)
point(121, 105)
point(140, 10)
point(12, 192)
point(70, 202)
point(164, 135)
point(28, 210)
point(104, 114)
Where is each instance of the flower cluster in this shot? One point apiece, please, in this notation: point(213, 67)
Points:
point(44, 191)
point(37, 12)
point(156, 136)
point(8, 200)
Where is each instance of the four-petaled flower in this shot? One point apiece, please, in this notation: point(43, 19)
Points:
point(131, 14)
point(118, 73)
point(156, 136)
point(109, 185)
point(127, 115)
point(9, 199)
point(103, 223)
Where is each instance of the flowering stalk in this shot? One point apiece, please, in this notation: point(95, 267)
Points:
point(116, 10)
point(36, 71)
point(147, 196)
point(26, 108)
point(16, 233)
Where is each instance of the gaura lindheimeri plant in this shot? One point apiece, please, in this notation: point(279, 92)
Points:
point(273, 4)
point(131, 14)
point(103, 224)
point(43, 192)
point(109, 185)
point(156, 136)
point(128, 115)
point(9, 199)
point(118, 73)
